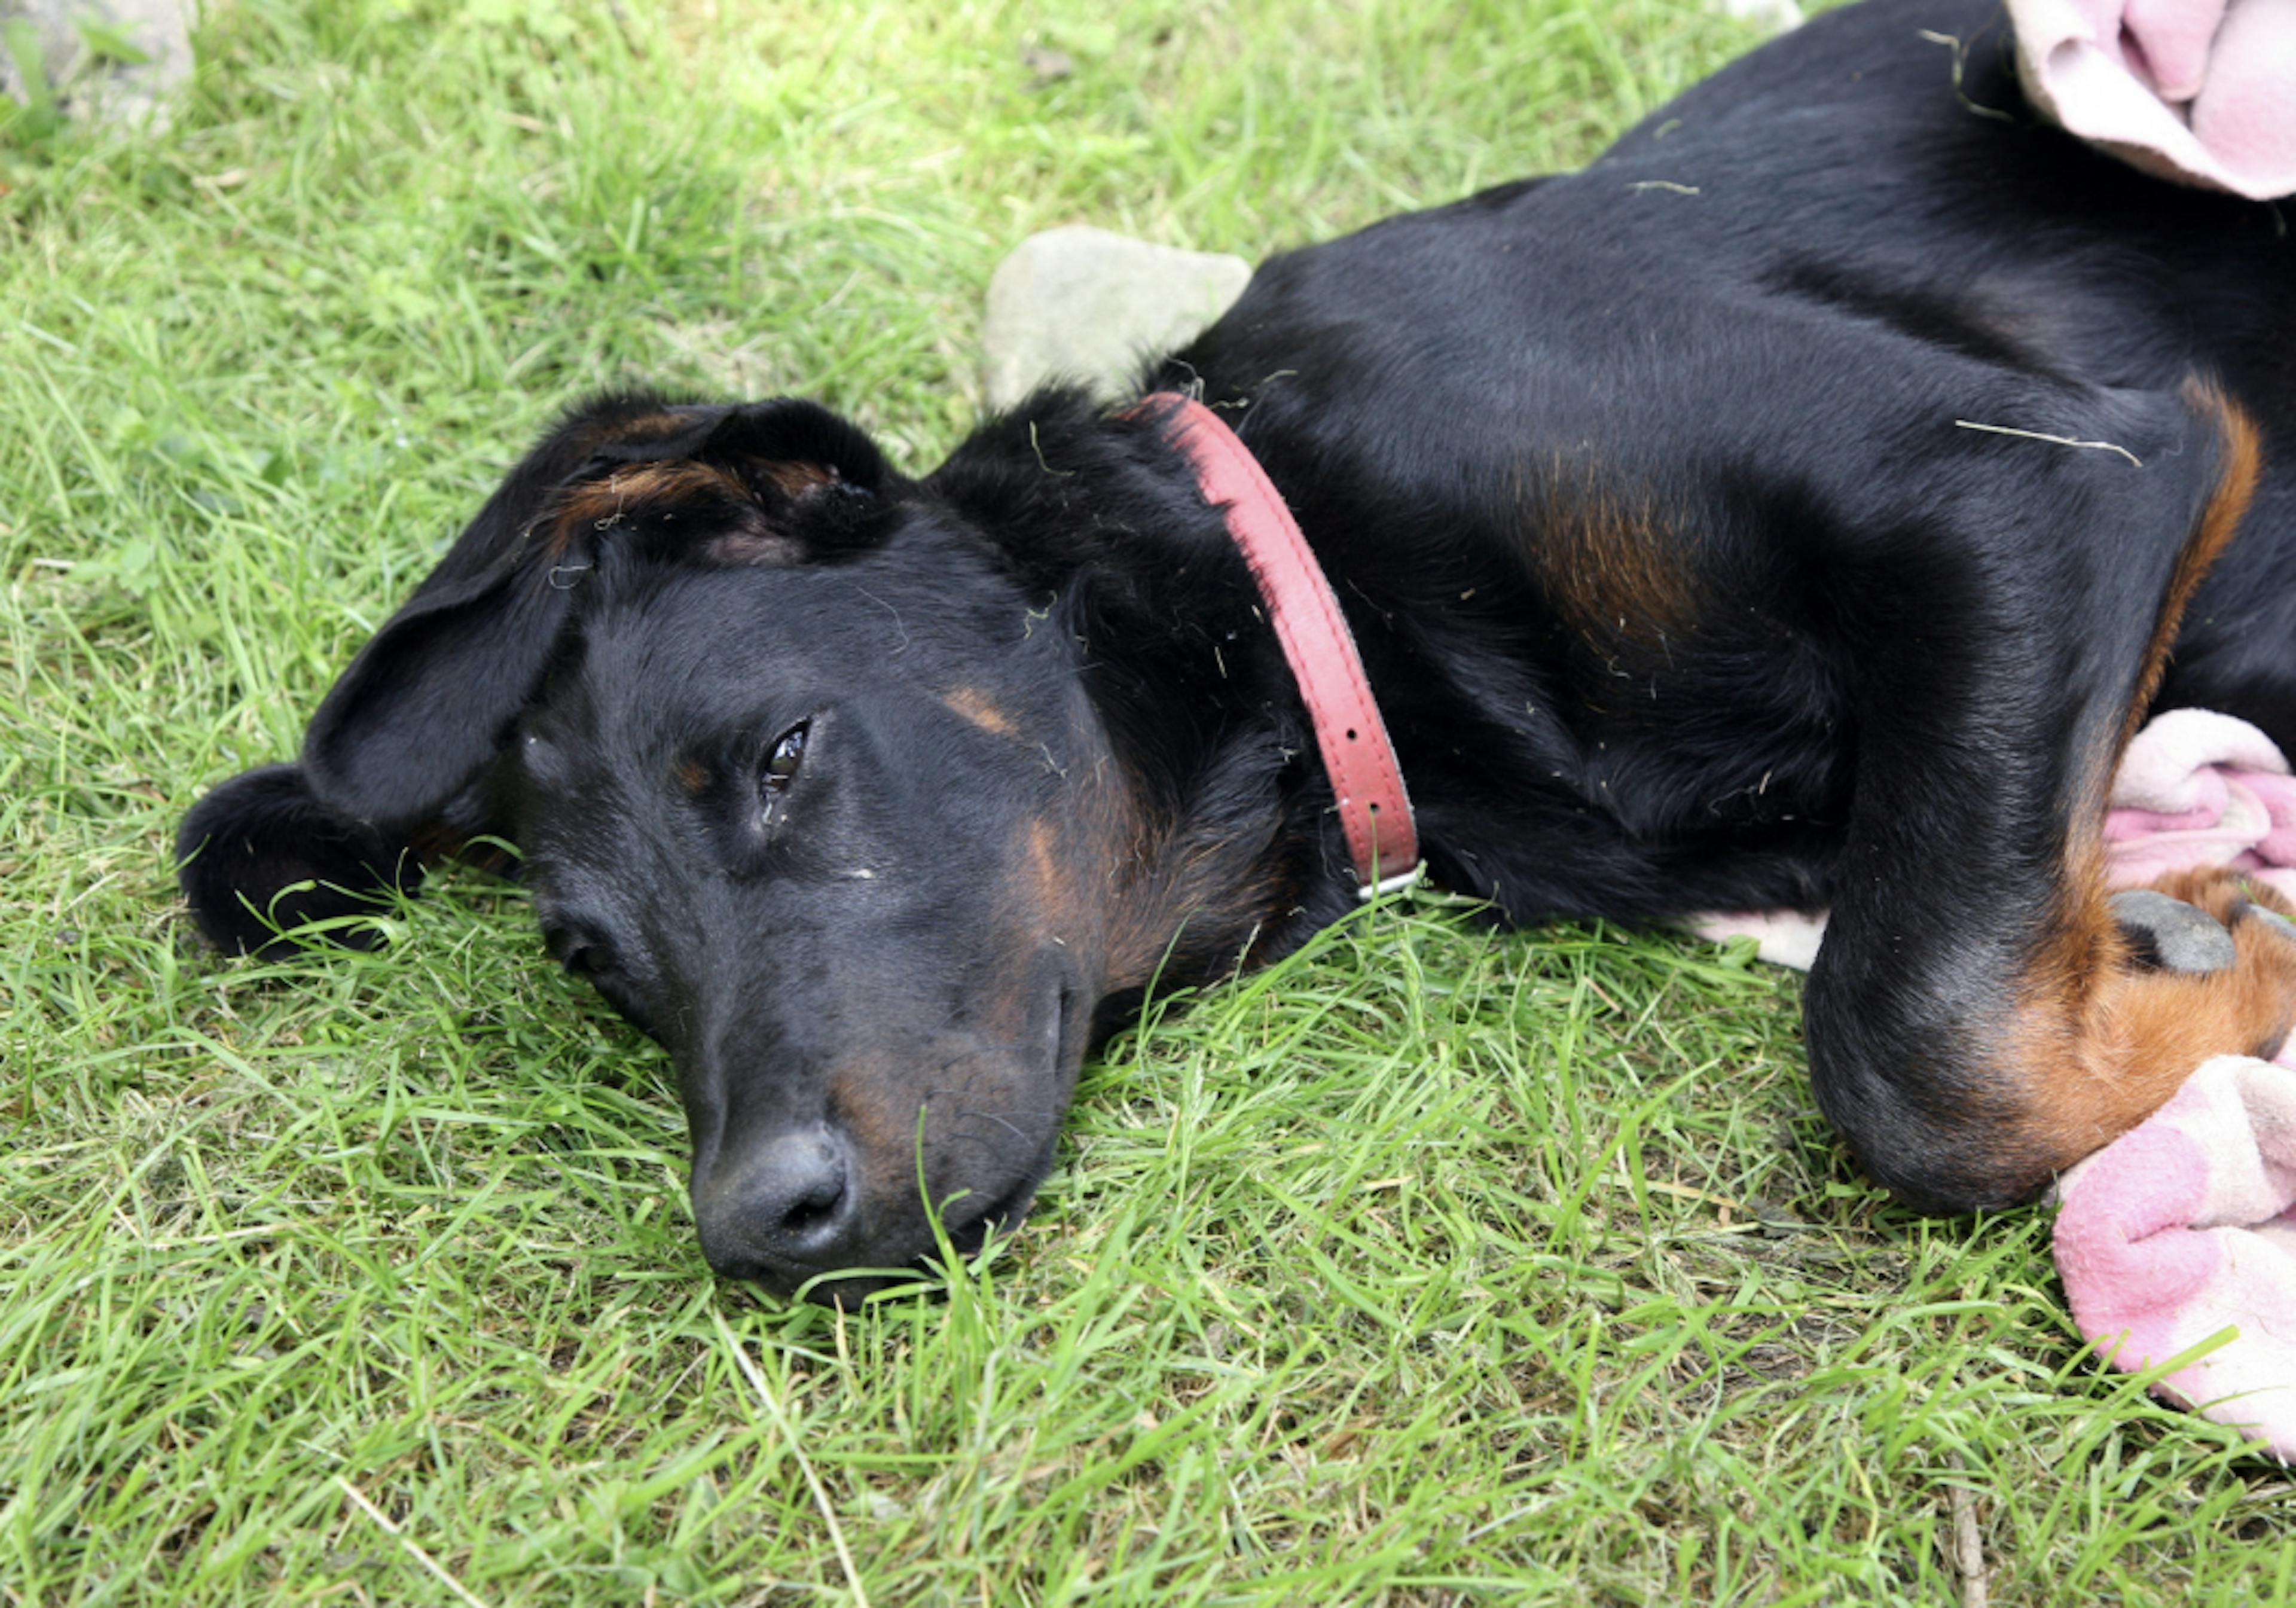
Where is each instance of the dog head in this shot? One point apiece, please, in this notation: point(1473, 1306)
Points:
point(806, 780)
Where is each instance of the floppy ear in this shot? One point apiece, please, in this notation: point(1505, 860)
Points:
point(411, 725)
point(426, 701)
point(432, 698)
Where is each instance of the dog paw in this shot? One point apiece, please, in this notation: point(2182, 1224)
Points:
point(2169, 935)
point(2202, 963)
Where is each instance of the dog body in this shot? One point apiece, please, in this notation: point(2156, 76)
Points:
point(1797, 508)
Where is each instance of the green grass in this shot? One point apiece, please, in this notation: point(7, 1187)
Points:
point(1430, 1265)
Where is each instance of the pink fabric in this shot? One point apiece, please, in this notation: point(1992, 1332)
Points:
point(2178, 1238)
point(2198, 91)
point(2201, 789)
point(2180, 1234)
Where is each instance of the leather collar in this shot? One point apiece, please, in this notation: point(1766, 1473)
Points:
point(1374, 809)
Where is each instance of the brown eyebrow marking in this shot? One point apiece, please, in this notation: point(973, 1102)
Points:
point(663, 426)
point(642, 489)
point(969, 703)
point(691, 776)
point(645, 489)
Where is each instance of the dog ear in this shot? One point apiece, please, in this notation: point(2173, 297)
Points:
point(412, 724)
point(430, 699)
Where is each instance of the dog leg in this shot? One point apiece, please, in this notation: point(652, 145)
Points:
point(1984, 1014)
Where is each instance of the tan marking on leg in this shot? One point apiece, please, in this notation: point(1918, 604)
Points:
point(2219, 522)
point(2099, 1043)
point(2145, 1032)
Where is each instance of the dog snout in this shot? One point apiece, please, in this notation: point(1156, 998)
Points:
point(787, 1205)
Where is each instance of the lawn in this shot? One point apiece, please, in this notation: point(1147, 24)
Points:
point(1430, 1265)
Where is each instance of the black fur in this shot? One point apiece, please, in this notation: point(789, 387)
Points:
point(1680, 582)
point(262, 837)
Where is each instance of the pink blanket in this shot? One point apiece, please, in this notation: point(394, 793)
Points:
point(2199, 91)
point(2177, 1242)
point(2179, 1253)
point(2201, 789)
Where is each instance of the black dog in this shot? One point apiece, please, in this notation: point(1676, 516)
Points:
point(1683, 583)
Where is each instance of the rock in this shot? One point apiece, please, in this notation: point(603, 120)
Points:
point(1047, 66)
point(1775, 15)
point(76, 46)
point(1083, 304)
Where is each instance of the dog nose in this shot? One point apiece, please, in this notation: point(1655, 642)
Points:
point(787, 1200)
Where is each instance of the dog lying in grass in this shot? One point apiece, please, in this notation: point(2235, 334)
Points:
point(1799, 506)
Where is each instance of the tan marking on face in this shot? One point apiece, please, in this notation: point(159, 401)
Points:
point(1037, 904)
point(692, 776)
point(879, 1113)
point(969, 703)
point(1042, 863)
point(953, 1089)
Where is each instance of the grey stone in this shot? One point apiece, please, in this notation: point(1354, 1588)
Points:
point(1083, 304)
point(1775, 15)
point(2171, 934)
point(86, 85)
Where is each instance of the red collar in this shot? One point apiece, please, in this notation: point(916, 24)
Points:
point(1374, 809)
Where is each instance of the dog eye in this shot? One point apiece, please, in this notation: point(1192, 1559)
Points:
point(783, 760)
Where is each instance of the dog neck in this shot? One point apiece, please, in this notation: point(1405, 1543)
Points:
point(1235, 854)
point(1358, 757)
